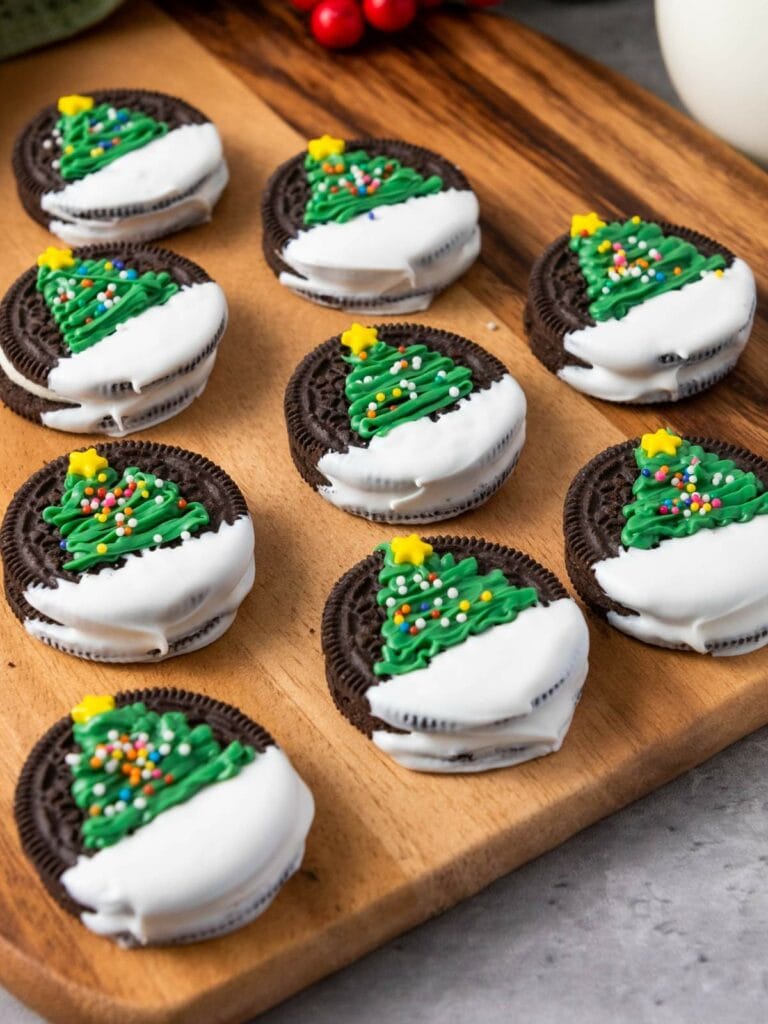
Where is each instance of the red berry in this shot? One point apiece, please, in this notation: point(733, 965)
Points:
point(389, 15)
point(304, 5)
point(337, 23)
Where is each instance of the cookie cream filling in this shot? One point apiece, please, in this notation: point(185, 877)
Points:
point(391, 260)
point(137, 611)
point(500, 697)
point(252, 829)
point(708, 592)
point(160, 355)
point(670, 346)
point(170, 183)
point(432, 468)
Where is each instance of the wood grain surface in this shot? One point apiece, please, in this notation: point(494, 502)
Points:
point(541, 134)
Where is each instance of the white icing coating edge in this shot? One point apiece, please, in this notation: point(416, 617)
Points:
point(723, 599)
point(149, 352)
point(474, 750)
point(431, 468)
point(163, 169)
point(195, 208)
point(466, 715)
point(391, 263)
point(217, 860)
point(469, 686)
point(713, 313)
point(138, 611)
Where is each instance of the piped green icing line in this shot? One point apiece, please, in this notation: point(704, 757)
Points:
point(92, 297)
point(344, 185)
point(676, 495)
point(438, 604)
point(91, 139)
point(392, 386)
point(625, 264)
point(104, 516)
point(133, 764)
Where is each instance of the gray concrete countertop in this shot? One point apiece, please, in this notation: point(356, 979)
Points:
point(657, 915)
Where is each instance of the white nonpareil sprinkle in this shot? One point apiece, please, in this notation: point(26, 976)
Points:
point(452, 592)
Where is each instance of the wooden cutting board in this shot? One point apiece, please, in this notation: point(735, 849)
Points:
point(541, 134)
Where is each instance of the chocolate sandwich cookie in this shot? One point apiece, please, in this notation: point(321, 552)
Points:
point(404, 423)
point(108, 339)
point(453, 654)
point(667, 539)
point(376, 226)
point(140, 779)
point(126, 552)
point(634, 311)
point(119, 165)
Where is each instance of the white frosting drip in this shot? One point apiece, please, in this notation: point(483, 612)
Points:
point(131, 411)
point(394, 262)
point(203, 867)
point(539, 733)
point(143, 351)
point(624, 354)
point(697, 591)
point(464, 701)
point(195, 208)
point(427, 468)
point(137, 611)
point(162, 170)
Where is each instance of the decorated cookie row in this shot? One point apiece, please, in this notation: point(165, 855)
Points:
point(627, 311)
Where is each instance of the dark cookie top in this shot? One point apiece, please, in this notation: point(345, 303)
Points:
point(47, 817)
point(593, 517)
point(352, 618)
point(558, 303)
point(316, 406)
point(29, 336)
point(287, 191)
point(30, 547)
point(32, 161)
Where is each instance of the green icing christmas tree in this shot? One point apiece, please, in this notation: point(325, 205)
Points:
point(344, 185)
point(89, 298)
point(681, 488)
point(434, 602)
point(389, 385)
point(627, 263)
point(103, 516)
point(132, 764)
point(93, 135)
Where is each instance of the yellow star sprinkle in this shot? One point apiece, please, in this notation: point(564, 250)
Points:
point(71, 105)
point(410, 549)
point(325, 146)
point(56, 259)
point(585, 224)
point(87, 463)
point(662, 442)
point(92, 705)
point(359, 338)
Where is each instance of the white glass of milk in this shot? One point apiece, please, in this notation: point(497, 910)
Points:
point(716, 52)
